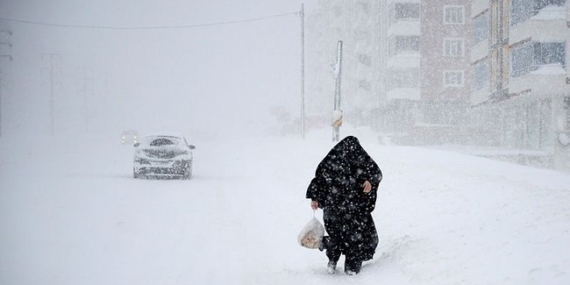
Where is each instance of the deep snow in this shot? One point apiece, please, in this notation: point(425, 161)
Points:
point(71, 213)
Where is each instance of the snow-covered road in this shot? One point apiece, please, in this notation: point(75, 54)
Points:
point(71, 213)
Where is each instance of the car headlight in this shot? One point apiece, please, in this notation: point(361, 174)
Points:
point(180, 163)
point(142, 161)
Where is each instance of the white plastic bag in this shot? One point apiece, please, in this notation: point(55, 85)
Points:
point(312, 234)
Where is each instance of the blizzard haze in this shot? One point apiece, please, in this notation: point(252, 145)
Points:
point(227, 75)
point(218, 79)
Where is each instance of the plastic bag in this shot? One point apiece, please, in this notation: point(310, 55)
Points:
point(312, 234)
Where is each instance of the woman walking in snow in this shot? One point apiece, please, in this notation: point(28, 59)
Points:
point(345, 186)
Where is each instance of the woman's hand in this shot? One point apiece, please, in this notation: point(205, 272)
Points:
point(314, 205)
point(367, 187)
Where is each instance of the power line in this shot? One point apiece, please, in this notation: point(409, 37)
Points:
point(145, 27)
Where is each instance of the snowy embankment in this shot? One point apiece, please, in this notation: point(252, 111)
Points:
point(70, 213)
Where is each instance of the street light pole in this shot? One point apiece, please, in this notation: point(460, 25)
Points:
point(303, 71)
point(337, 111)
point(0, 104)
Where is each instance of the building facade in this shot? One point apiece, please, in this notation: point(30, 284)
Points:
point(521, 79)
point(401, 65)
point(427, 70)
point(477, 72)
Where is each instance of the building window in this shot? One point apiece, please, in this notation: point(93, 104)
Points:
point(539, 4)
point(338, 11)
point(364, 7)
point(550, 54)
point(453, 47)
point(531, 56)
point(453, 15)
point(481, 28)
point(481, 75)
point(361, 35)
point(404, 79)
point(521, 59)
point(365, 85)
point(453, 78)
point(404, 45)
point(365, 59)
point(522, 10)
point(404, 11)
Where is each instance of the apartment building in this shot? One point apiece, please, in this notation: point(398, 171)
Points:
point(521, 79)
point(427, 69)
point(487, 72)
point(400, 71)
point(445, 69)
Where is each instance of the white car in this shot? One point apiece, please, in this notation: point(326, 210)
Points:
point(163, 156)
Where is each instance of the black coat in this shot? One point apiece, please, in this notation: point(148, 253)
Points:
point(337, 186)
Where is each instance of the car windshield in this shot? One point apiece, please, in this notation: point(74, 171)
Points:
point(162, 141)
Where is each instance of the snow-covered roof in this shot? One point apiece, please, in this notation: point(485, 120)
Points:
point(549, 69)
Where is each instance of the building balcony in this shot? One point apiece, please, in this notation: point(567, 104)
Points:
point(479, 6)
point(550, 24)
point(481, 96)
point(404, 61)
point(545, 80)
point(409, 93)
point(406, 27)
point(480, 50)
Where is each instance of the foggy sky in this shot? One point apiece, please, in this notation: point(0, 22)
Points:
point(215, 79)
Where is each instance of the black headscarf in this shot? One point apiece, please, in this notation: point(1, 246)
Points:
point(340, 175)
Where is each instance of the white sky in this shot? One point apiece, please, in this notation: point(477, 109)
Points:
point(173, 78)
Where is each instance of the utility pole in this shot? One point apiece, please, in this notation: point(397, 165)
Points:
point(54, 62)
point(337, 111)
point(303, 71)
point(4, 55)
point(86, 89)
point(51, 99)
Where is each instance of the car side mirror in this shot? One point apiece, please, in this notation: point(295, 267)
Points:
point(191, 146)
point(136, 144)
